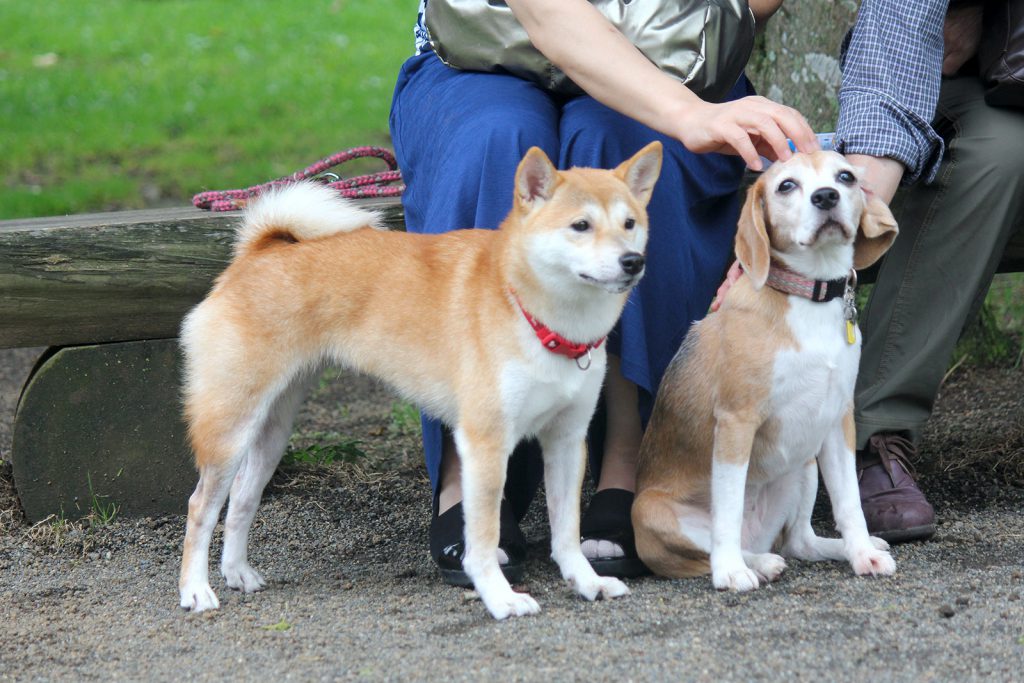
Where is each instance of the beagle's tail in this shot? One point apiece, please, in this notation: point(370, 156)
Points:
point(297, 213)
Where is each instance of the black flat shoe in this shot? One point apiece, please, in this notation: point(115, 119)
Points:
point(447, 544)
point(608, 519)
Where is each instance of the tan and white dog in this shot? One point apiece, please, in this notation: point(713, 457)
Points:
point(761, 393)
point(442, 318)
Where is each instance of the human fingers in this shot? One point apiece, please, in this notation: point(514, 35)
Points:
point(738, 138)
point(796, 128)
point(735, 270)
point(749, 127)
point(780, 130)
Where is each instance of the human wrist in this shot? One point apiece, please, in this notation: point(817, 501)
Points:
point(880, 175)
point(684, 115)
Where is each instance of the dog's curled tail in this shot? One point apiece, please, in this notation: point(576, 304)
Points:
point(297, 213)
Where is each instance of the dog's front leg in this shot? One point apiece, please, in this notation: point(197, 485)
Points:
point(734, 437)
point(565, 457)
point(865, 553)
point(484, 458)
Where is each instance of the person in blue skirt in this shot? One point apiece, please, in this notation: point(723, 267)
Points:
point(459, 136)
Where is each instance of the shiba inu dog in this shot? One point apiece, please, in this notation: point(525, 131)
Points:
point(760, 394)
point(496, 332)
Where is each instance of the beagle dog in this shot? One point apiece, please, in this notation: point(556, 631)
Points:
point(760, 395)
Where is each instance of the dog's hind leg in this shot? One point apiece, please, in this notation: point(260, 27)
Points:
point(204, 508)
point(261, 460)
point(799, 539)
point(673, 539)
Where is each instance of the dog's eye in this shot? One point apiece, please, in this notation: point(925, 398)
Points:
point(582, 225)
point(630, 224)
point(846, 178)
point(786, 186)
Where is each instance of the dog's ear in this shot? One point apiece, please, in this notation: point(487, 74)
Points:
point(536, 179)
point(640, 172)
point(753, 249)
point(876, 233)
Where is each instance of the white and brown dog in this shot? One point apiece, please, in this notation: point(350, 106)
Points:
point(442, 318)
point(760, 395)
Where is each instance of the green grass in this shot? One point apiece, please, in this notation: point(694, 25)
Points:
point(405, 418)
point(995, 338)
point(283, 625)
point(101, 512)
point(125, 103)
point(324, 449)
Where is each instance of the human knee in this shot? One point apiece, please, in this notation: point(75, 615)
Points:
point(994, 157)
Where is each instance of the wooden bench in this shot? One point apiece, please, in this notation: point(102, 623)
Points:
point(99, 420)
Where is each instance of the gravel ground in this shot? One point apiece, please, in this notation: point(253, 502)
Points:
point(353, 595)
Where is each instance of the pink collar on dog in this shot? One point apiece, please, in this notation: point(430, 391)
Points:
point(783, 279)
point(556, 343)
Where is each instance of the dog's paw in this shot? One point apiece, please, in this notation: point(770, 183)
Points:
point(600, 587)
point(737, 579)
point(879, 543)
point(767, 566)
point(578, 573)
point(510, 604)
point(198, 598)
point(242, 577)
point(873, 562)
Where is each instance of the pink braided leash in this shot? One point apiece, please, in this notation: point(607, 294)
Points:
point(357, 187)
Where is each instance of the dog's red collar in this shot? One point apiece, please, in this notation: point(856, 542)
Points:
point(556, 343)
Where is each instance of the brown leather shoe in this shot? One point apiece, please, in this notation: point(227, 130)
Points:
point(894, 507)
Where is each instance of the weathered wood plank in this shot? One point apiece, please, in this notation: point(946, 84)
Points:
point(114, 276)
point(102, 425)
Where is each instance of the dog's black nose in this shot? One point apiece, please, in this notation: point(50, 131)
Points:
point(825, 198)
point(632, 263)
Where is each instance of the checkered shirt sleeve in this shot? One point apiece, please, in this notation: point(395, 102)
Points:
point(892, 70)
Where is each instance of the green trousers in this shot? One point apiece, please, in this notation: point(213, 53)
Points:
point(953, 233)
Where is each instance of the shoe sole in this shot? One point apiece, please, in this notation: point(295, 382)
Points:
point(457, 577)
point(620, 567)
point(897, 536)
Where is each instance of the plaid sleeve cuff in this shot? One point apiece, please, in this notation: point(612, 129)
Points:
point(874, 124)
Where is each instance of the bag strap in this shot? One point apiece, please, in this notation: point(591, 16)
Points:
point(356, 187)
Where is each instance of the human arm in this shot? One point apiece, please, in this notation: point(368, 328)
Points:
point(764, 9)
point(892, 65)
point(962, 35)
point(578, 39)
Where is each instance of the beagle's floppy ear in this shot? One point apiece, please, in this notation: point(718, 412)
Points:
point(641, 171)
point(752, 247)
point(536, 179)
point(876, 233)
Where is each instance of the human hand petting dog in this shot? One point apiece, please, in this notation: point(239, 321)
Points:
point(578, 39)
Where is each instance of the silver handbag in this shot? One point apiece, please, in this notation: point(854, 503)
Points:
point(703, 43)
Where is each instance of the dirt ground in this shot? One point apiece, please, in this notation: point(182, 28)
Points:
point(352, 592)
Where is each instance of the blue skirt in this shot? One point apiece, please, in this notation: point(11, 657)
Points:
point(460, 135)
